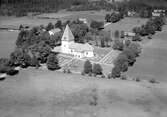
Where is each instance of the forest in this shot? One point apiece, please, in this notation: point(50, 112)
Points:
point(23, 7)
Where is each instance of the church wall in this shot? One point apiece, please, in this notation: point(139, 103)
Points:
point(89, 54)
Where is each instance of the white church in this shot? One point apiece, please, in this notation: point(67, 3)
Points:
point(68, 46)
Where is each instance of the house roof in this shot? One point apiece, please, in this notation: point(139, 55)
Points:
point(55, 30)
point(67, 35)
point(81, 47)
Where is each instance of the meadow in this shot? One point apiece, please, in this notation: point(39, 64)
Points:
point(42, 93)
point(126, 24)
point(153, 60)
point(7, 42)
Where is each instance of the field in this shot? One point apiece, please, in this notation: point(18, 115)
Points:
point(153, 61)
point(7, 42)
point(42, 93)
point(126, 24)
point(44, 19)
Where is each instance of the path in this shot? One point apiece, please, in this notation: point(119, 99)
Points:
point(105, 57)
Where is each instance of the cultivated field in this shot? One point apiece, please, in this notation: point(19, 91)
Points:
point(153, 61)
point(42, 93)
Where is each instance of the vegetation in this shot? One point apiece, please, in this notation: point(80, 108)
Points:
point(87, 67)
point(125, 59)
point(4, 65)
point(114, 17)
point(97, 69)
point(152, 25)
point(52, 62)
point(118, 45)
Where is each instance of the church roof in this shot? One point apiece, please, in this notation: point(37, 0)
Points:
point(81, 47)
point(67, 35)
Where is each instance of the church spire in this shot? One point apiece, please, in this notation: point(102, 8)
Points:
point(67, 35)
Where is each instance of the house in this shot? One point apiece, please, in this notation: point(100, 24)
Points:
point(84, 20)
point(78, 50)
point(54, 31)
point(131, 13)
point(129, 34)
point(158, 12)
point(3, 76)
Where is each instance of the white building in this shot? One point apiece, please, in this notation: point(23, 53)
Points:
point(84, 20)
point(158, 12)
point(53, 31)
point(78, 50)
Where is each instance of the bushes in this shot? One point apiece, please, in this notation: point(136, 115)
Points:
point(114, 17)
point(87, 67)
point(118, 45)
point(97, 69)
point(152, 25)
point(152, 80)
point(126, 59)
point(136, 38)
point(52, 62)
point(12, 72)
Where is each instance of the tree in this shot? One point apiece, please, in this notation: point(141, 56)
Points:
point(136, 30)
point(122, 34)
point(49, 26)
point(22, 39)
point(52, 62)
point(20, 57)
point(116, 34)
point(79, 31)
point(130, 56)
point(21, 27)
point(4, 65)
point(58, 24)
point(42, 50)
point(87, 67)
point(96, 25)
point(102, 42)
point(118, 45)
point(97, 69)
point(136, 48)
point(122, 62)
point(136, 38)
point(34, 62)
point(107, 18)
point(116, 72)
point(88, 37)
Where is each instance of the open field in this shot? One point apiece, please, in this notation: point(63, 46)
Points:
point(42, 93)
point(44, 19)
point(126, 24)
point(7, 42)
point(153, 61)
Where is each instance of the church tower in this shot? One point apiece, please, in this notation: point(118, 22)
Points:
point(66, 40)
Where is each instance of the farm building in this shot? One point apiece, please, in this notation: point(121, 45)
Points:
point(53, 31)
point(84, 20)
point(157, 13)
point(129, 34)
point(68, 46)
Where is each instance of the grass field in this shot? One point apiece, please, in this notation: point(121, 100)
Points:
point(42, 93)
point(44, 19)
point(7, 42)
point(153, 61)
point(126, 24)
